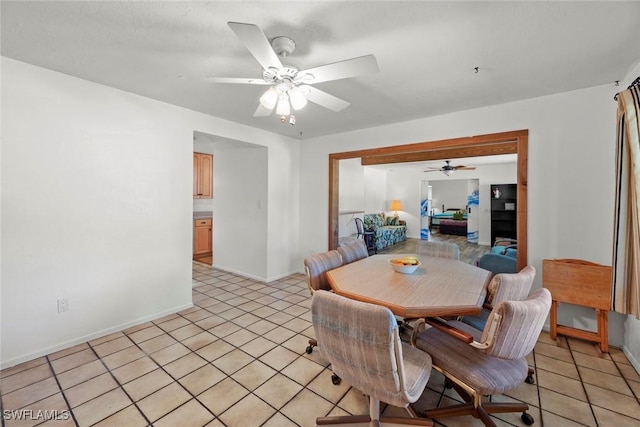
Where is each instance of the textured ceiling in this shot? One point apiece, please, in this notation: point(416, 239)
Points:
point(427, 52)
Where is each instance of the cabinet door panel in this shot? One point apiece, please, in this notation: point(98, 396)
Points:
point(202, 240)
point(196, 174)
point(206, 176)
point(202, 176)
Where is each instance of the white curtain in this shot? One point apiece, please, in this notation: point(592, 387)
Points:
point(626, 237)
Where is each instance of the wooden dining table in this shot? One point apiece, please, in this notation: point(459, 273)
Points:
point(439, 287)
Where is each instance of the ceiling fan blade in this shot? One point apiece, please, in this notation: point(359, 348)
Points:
point(240, 80)
point(464, 168)
point(257, 43)
point(340, 70)
point(324, 99)
point(262, 111)
point(433, 170)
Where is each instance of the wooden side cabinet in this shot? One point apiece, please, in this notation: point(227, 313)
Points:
point(202, 236)
point(202, 176)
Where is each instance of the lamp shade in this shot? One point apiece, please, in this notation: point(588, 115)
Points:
point(269, 98)
point(396, 205)
point(283, 108)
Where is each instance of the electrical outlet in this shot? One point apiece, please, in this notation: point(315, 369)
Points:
point(63, 305)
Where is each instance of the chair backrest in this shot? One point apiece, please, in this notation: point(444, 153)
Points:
point(511, 287)
point(498, 263)
point(520, 325)
point(362, 343)
point(359, 226)
point(438, 249)
point(316, 265)
point(353, 251)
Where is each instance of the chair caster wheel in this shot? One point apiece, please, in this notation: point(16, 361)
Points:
point(530, 380)
point(447, 384)
point(526, 418)
point(309, 349)
point(336, 380)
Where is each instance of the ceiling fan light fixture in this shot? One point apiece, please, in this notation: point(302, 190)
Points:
point(269, 98)
point(298, 100)
point(283, 108)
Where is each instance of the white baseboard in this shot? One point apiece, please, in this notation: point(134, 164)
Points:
point(85, 338)
point(251, 276)
point(632, 359)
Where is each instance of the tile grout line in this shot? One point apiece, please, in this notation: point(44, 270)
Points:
point(64, 396)
point(582, 383)
point(117, 382)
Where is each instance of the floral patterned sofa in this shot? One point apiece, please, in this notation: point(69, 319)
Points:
point(388, 230)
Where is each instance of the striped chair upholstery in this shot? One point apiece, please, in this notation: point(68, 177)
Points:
point(438, 249)
point(353, 251)
point(504, 287)
point(317, 265)
point(362, 343)
point(496, 369)
point(315, 268)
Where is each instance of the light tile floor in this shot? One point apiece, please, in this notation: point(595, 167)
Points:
point(237, 358)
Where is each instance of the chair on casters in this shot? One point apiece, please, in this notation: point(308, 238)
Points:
point(438, 249)
point(494, 365)
point(315, 268)
point(368, 236)
point(353, 251)
point(362, 343)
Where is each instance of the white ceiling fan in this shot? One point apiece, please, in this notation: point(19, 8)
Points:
point(448, 169)
point(291, 88)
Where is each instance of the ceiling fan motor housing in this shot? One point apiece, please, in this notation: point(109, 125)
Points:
point(273, 75)
point(283, 46)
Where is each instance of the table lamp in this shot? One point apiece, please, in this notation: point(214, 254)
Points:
point(396, 205)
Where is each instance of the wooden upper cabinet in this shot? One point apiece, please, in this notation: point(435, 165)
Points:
point(202, 176)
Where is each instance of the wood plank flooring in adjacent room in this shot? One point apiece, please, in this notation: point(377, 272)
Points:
point(469, 252)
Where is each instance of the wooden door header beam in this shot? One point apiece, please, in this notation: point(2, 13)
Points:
point(444, 153)
point(446, 144)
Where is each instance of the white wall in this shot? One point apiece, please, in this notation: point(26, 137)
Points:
point(351, 195)
point(450, 193)
point(97, 207)
point(571, 155)
point(375, 191)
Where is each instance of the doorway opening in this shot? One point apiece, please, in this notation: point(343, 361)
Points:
point(514, 142)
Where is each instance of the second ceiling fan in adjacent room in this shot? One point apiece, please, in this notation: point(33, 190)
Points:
point(448, 168)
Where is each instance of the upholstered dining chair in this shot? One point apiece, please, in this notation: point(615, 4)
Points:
point(504, 287)
point(315, 268)
point(493, 365)
point(362, 343)
point(438, 249)
point(353, 251)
